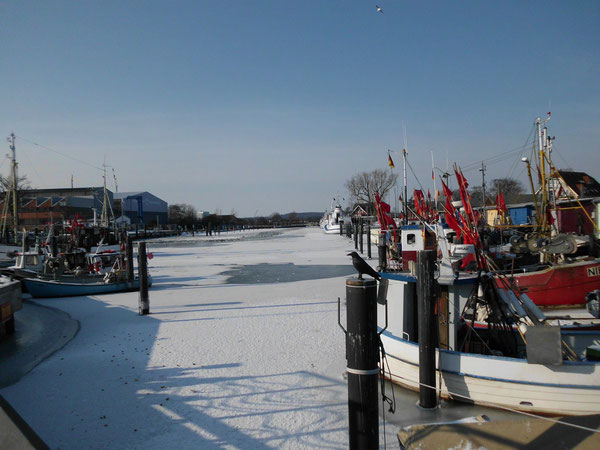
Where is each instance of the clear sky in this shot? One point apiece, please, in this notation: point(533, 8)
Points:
point(270, 106)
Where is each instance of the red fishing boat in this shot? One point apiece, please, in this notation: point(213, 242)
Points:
point(559, 284)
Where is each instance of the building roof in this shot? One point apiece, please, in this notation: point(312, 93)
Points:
point(581, 183)
point(122, 195)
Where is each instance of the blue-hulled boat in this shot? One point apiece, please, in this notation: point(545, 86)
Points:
point(40, 287)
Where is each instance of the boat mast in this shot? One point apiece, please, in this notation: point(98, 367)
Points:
point(542, 219)
point(106, 205)
point(404, 208)
point(104, 215)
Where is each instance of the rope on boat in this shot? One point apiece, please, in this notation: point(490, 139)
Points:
point(506, 408)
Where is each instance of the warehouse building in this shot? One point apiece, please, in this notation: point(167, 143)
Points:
point(141, 208)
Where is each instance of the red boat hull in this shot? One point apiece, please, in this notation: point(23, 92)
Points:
point(561, 284)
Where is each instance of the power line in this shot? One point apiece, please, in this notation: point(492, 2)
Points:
point(60, 153)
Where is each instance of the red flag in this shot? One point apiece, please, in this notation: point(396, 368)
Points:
point(448, 195)
point(419, 202)
point(464, 195)
point(500, 205)
point(453, 223)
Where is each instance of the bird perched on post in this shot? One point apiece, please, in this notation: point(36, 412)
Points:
point(363, 267)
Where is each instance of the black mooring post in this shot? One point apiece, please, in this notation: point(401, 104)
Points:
point(349, 230)
point(369, 240)
point(361, 230)
point(425, 298)
point(53, 246)
point(144, 303)
point(362, 357)
point(341, 227)
point(382, 250)
point(129, 256)
point(355, 229)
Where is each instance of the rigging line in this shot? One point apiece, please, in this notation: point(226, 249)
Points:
point(33, 166)
point(414, 175)
point(499, 156)
point(60, 153)
point(495, 405)
point(565, 162)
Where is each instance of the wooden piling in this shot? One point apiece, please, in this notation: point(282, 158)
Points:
point(426, 320)
point(362, 354)
point(144, 301)
point(369, 239)
point(382, 250)
point(361, 232)
point(129, 256)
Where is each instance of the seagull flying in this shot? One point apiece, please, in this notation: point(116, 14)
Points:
point(379, 9)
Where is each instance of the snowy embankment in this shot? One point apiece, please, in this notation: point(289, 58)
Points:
point(215, 365)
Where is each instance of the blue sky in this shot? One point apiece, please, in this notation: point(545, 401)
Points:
point(270, 106)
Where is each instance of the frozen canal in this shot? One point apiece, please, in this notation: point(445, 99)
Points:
point(242, 350)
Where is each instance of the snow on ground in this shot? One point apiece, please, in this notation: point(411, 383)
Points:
point(215, 365)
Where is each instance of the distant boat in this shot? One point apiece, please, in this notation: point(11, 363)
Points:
point(39, 287)
point(330, 223)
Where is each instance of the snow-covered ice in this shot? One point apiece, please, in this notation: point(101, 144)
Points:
point(215, 365)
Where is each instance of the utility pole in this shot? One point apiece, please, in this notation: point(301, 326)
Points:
point(482, 170)
point(11, 193)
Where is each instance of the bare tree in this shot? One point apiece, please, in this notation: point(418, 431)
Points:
point(362, 186)
point(511, 189)
point(182, 214)
point(22, 183)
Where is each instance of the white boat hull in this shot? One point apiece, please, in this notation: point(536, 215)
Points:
point(569, 389)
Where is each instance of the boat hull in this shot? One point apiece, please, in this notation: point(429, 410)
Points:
point(40, 288)
point(331, 228)
point(561, 284)
point(568, 389)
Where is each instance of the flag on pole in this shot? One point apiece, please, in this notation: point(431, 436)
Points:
point(390, 161)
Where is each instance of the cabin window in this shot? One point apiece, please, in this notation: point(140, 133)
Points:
point(410, 239)
point(31, 260)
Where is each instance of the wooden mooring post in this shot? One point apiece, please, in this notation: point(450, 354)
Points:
point(382, 250)
point(426, 320)
point(355, 229)
point(369, 239)
point(129, 257)
point(341, 227)
point(362, 355)
point(144, 302)
point(361, 230)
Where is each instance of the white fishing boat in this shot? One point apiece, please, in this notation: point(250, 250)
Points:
point(481, 370)
point(330, 223)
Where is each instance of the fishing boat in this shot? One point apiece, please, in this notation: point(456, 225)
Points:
point(78, 286)
point(518, 360)
point(330, 222)
point(488, 366)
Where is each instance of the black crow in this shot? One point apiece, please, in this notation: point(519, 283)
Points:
point(363, 267)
